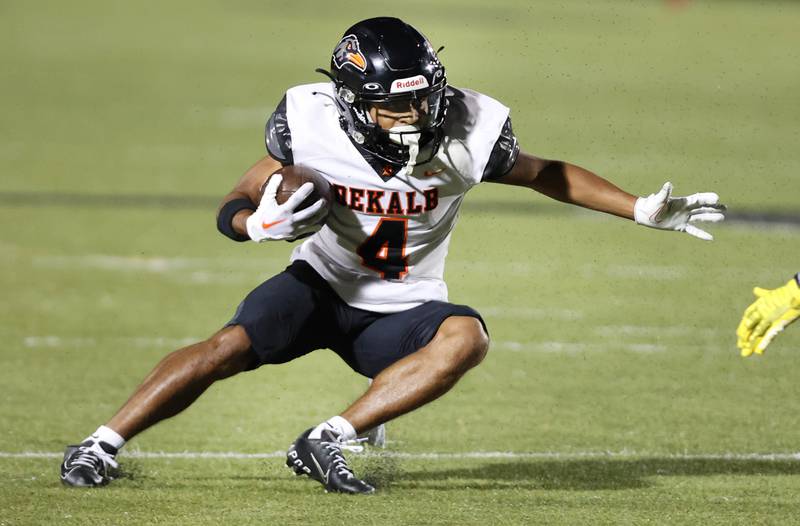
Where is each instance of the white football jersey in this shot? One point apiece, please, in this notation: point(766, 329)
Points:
point(384, 244)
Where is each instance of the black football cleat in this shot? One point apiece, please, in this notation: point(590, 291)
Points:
point(89, 464)
point(322, 460)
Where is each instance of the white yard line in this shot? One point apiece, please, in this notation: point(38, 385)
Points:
point(142, 342)
point(155, 264)
point(225, 271)
point(50, 341)
point(615, 331)
point(577, 347)
point(60, 342)
point(649, 272)
point(466, 455)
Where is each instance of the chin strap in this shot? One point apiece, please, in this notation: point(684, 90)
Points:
point(413, 152)
point(326, 73)
point(407, 135)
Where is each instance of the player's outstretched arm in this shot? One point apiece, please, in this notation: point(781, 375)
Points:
point(767, 316)
point(575, 185)
point(248, 214)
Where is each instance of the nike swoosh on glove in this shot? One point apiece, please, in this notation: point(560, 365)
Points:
point(272, 221)
point(662, 211)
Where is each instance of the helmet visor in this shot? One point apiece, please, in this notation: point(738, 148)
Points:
point(423, 110)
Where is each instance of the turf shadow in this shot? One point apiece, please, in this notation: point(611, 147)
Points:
point(588, 474)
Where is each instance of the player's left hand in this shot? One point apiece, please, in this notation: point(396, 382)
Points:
point(766, 317)
point(661, 210)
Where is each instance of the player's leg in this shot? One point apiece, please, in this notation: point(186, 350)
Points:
point(460, 344)
point(171, 387)
point(267, 328)
point(181, 377)
point(415, 357)
point(376, 436)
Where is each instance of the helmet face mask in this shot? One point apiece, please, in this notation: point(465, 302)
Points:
point(426, 108)
point(384, 70)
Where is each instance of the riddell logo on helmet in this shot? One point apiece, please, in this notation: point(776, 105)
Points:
point(409, 84)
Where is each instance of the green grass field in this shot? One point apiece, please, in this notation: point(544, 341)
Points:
point(613, 393)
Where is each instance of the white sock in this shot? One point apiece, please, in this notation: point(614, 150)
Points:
point(107, 435)
point(338, 425)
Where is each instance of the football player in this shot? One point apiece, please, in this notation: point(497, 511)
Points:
point(401, 148)
point(767, 316)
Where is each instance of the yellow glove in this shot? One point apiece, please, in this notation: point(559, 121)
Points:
point(772, 312)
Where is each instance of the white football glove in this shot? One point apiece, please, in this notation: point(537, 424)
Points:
point(662, 211)
point(274, 221)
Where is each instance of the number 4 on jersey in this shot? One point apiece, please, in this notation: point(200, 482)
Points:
point(385, 250)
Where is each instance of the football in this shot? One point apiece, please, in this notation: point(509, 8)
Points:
point(295, 176)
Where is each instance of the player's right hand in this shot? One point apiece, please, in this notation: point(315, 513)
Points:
point(766, 317)
point(272, 221)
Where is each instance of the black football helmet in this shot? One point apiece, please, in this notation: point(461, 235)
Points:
point(387, 62)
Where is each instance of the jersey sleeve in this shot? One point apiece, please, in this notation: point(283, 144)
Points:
point(504, 154)
point(278, 137)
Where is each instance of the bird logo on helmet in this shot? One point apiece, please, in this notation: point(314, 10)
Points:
point(348, 52)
